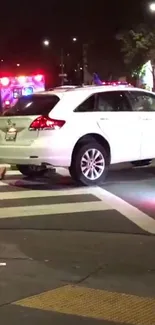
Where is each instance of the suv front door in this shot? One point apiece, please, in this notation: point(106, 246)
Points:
point(143, 102)
point(120, 125)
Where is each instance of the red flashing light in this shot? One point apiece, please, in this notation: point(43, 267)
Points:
point(38, 77)
point(46, 123)
point(5, 81)
point(115, 83)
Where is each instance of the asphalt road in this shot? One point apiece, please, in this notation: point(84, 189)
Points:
point(89, 250)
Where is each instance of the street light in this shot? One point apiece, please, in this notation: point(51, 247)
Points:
point(46, 42)
point(18, 64)
point(74, 39)
point(152, 6)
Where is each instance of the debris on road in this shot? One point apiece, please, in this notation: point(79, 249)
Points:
point(2, 264)
point(2, 172)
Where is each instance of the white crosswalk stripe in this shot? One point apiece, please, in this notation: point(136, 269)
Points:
point(2, 183)
point(52, 209)
point(17, 175)
point(45, 193)
point(139, 218)
point(20, 199)
point(26, 207)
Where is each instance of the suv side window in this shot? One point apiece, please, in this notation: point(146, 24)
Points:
point(87, 106)
point(142, 101)
point(112, 101)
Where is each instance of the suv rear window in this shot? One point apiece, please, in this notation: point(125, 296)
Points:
point(33, 105)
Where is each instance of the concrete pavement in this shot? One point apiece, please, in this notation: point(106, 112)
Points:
point(135, 186)
point(81, 266)
point(41, 262)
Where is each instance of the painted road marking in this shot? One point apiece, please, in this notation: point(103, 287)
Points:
point(21, 182)
point(109, 202)
point(64, 208)
point(97, 304)
point(138, 217)
point(13, 172)
point(10, 173)
point(3, 184)
point(61, 171)
point(42, 193)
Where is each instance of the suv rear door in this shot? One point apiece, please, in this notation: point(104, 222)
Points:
point(15, 122)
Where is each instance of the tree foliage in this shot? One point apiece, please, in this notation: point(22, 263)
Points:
point(137, 45)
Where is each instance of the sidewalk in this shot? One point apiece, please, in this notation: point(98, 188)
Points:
point(77, 278)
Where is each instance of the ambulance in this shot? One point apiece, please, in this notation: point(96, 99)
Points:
point(13, 87)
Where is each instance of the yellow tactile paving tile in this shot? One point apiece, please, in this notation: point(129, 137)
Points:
point(97, 304)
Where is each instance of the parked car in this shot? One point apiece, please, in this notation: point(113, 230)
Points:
point(84, 129)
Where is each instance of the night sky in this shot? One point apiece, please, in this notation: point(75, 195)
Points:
point(24, 25)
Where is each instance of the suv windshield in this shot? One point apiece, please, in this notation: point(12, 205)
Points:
point(33, 105)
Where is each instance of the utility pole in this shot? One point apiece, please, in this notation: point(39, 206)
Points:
point(78, 73)
point(85, 63)
point(62, 67)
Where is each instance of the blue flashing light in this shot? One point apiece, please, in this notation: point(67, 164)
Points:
point(27, 91)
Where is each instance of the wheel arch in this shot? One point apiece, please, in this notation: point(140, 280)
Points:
point(91, 137)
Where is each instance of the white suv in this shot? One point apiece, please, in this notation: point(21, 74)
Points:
point(84, 129)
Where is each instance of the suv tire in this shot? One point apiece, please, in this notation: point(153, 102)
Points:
point(90, 164)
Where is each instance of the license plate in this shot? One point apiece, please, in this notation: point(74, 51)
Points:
point(11, 134)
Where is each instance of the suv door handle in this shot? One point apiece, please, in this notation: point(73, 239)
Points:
point(104, 119)
point(147, 119)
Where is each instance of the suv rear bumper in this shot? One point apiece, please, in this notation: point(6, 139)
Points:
point(23, 155)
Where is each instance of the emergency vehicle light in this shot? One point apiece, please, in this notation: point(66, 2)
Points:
point(38, 77)
point(5, 81)
point(27, 91)
point(7, 103)
point(22, 79)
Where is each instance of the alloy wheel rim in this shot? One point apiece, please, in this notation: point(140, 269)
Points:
point(92, 164)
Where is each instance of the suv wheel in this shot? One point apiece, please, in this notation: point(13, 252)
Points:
point(32, 170)
point(90, 164)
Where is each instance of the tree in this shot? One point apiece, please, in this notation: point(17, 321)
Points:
point(138, 46)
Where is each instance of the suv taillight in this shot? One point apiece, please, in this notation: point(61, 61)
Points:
point(46, 123)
